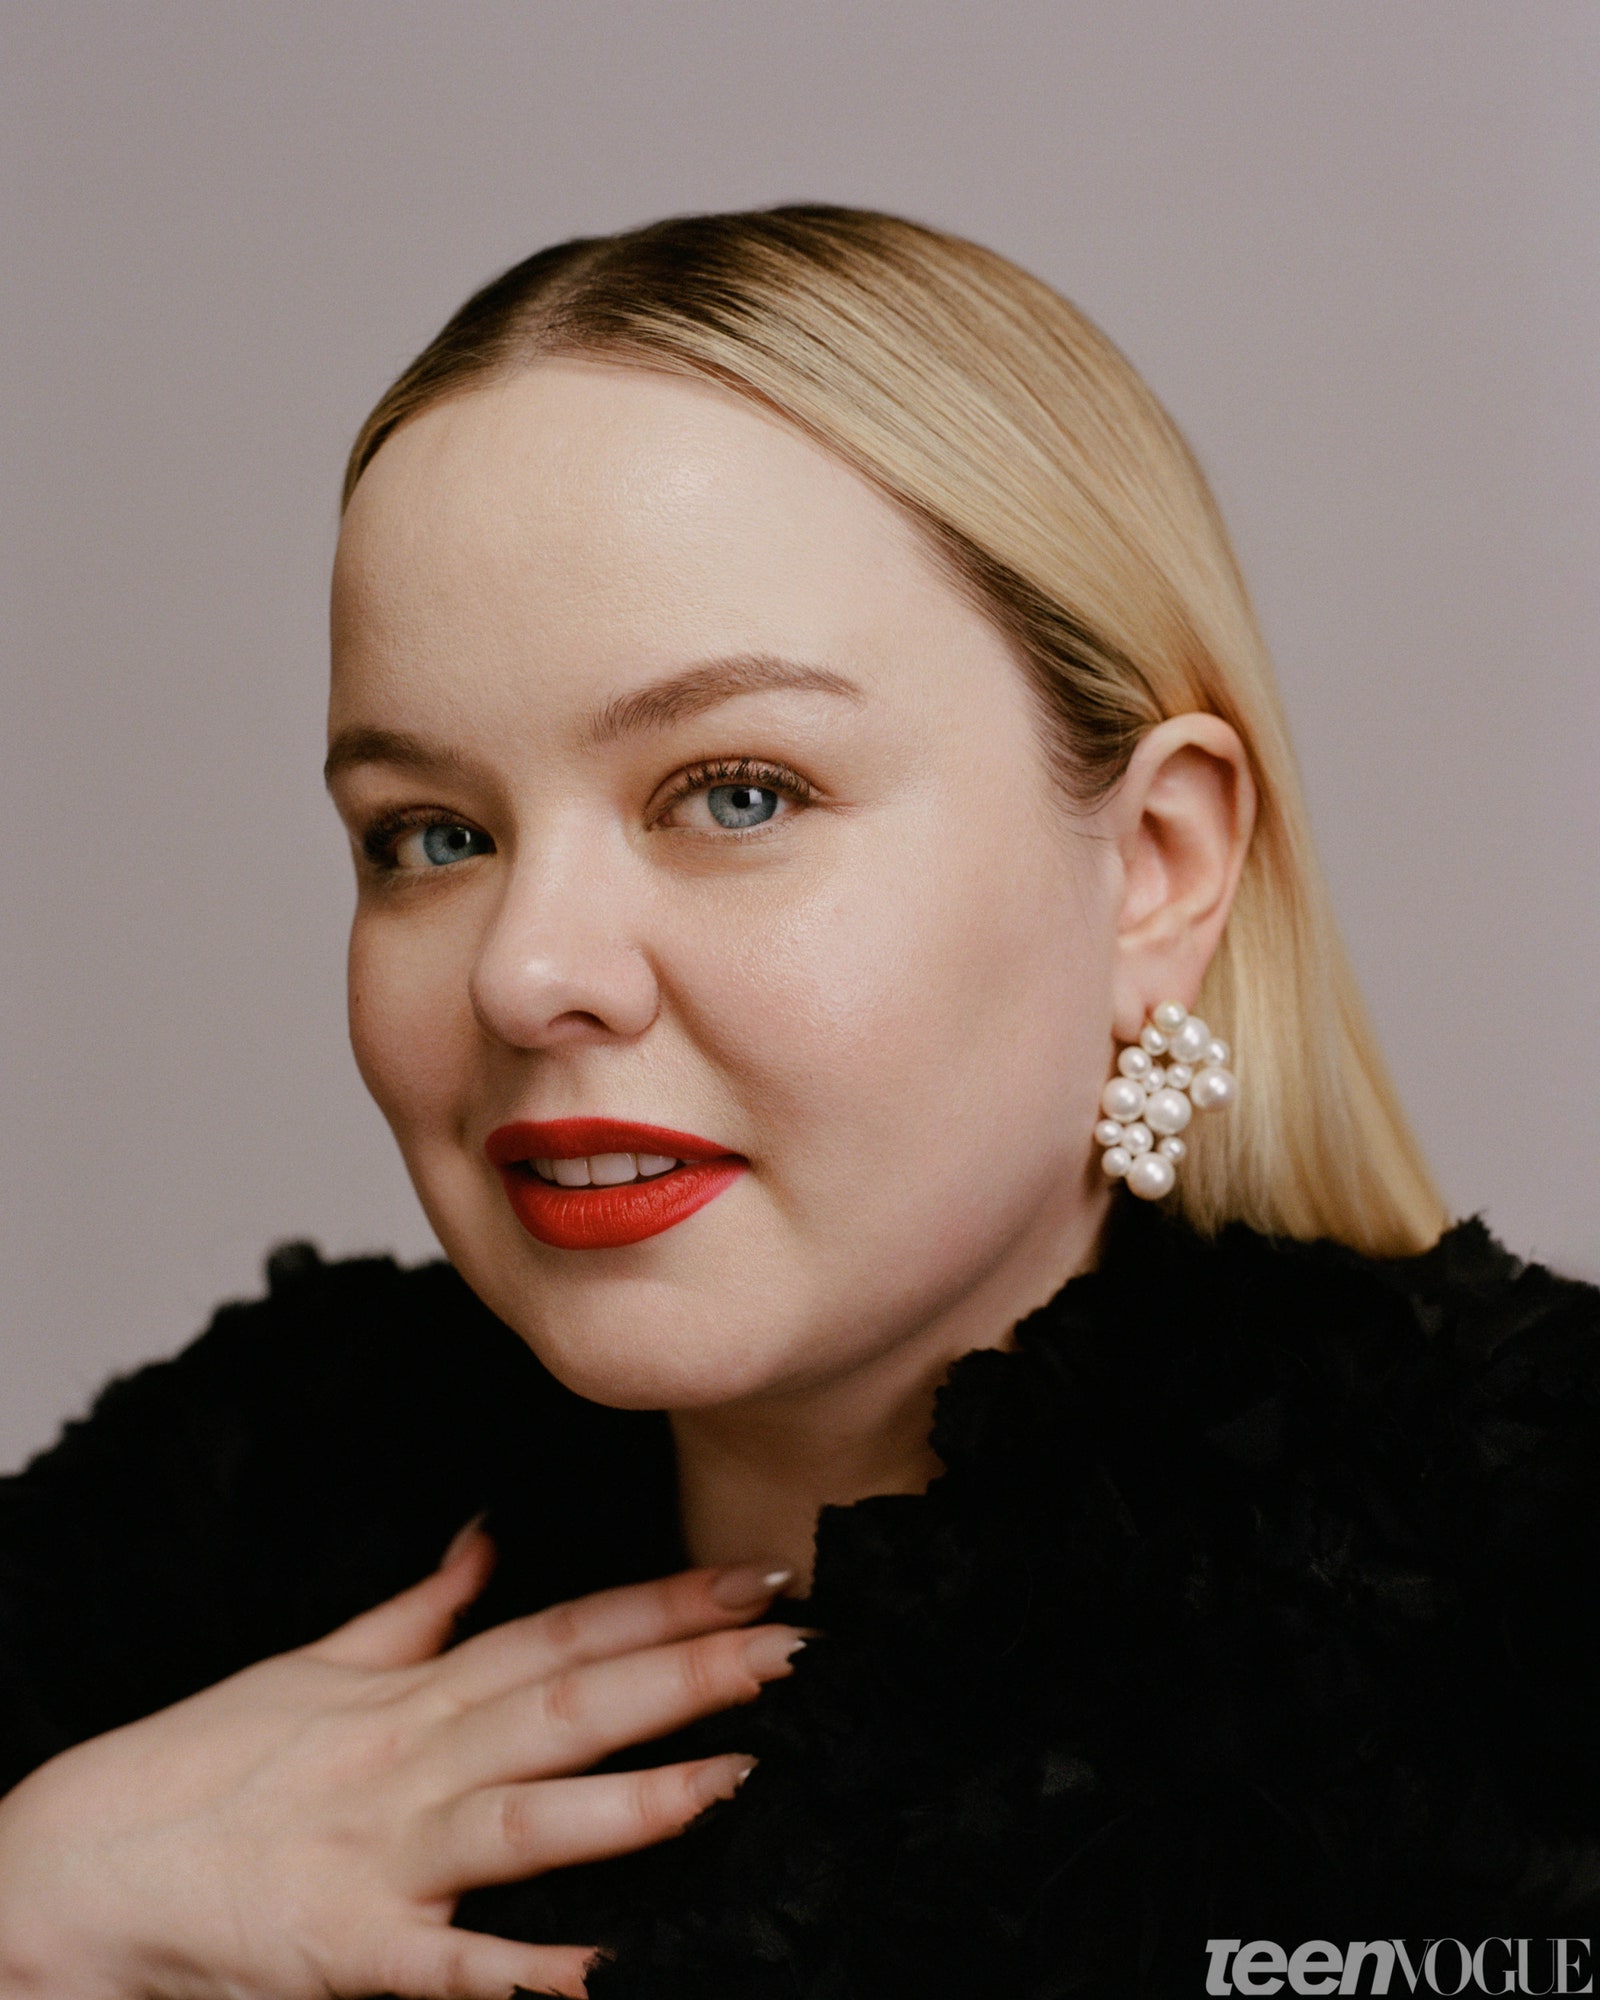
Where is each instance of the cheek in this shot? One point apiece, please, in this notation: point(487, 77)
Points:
point(411, 1027)
point(929, 1028)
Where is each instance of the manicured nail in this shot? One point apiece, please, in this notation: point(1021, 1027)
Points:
point(750, 1583)
point(461, 1537)
point(767, 1652)
point(721, 1777)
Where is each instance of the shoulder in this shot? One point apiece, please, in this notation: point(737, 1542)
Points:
point(1333, 1525)
point(308, 1455)
point(360, 1357)
point(1440, 1413)
point(1205, 1331)
point(359, 1335)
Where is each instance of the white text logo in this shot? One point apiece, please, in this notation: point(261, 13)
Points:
point(1401, 1965)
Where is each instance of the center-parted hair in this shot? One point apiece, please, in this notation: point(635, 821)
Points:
point(1061, 496)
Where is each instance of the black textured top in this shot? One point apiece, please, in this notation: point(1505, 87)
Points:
point(1258, 1599)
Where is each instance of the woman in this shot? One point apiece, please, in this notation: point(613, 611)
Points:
point(810, 762)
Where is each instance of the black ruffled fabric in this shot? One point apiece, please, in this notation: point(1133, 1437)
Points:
point(1258, 1599)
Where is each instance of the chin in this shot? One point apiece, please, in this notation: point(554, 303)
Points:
point(631, 1330)
point(666, 1377)
point(632, 1358)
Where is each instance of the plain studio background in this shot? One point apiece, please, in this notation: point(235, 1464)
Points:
point(1351, 242)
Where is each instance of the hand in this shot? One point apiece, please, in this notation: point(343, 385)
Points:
point(307, 1827)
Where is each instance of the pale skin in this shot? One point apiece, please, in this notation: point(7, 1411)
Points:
point(558, 599)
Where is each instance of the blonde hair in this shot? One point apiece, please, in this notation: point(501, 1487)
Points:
point(1061, 494)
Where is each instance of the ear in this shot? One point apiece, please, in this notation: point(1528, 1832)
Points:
point(1181, 820)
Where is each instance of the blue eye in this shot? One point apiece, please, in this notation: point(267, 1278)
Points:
point(735, 795)
point(437, 845)
point(452, 843)
point(741, 805)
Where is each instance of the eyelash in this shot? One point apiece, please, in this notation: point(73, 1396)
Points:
point(379, 841)
point(738, 771)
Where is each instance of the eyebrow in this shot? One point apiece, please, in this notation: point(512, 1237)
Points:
point(361, 745)
point(703, 686)
point(654, 706)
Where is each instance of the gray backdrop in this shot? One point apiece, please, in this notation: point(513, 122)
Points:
point(1352, 243)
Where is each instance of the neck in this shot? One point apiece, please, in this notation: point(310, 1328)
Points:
point(753, 1475)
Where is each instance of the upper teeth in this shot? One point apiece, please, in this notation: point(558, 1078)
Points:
point(603, 1169)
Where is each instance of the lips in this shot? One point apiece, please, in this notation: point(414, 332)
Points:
point(626, 1211)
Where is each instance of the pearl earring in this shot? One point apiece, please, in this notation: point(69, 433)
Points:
point(1147, 1105)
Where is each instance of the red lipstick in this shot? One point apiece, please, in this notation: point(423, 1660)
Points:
point(605, 1218)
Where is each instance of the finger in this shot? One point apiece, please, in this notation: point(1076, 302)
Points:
point(507, 1833)
point(419, 1622)
point(569, 1721)
point(442, 1963)
point(606, 1623)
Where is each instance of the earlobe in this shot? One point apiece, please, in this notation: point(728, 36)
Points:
point(1182, 819)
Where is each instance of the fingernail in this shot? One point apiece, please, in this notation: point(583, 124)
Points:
point(721, 1777)
point(461, 1537)
point(750, 1583)
point(768, 1651)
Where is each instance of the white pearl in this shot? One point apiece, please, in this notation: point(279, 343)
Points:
point(1180, 1076)
point(1172, 1149)
point(1108, 1133)
point(1156, 1080)
point(1188, 1044)
point(1138, 1138)
point(1150, 1177)
point(1122, 1098)
point(1115, 1162)
point(1153, 1042)
point(1214, 1089)
point(1134, 1063)
point(1218, 1052)
point(1168, 1111)
point(1169, 1016)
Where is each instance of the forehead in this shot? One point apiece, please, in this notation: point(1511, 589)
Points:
point(621, 506)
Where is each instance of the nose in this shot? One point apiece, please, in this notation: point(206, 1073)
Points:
point(558, 963)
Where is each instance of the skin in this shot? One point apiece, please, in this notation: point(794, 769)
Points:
point(557, 600)
point(896, 998)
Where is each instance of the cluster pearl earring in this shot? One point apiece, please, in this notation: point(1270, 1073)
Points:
point(1149, 1102)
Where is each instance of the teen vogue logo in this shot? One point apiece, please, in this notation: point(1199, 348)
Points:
point(1398, 1965)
